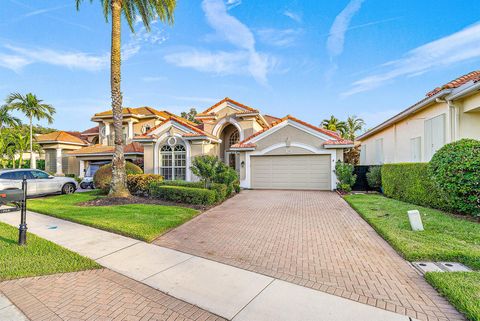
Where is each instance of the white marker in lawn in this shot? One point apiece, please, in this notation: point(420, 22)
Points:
point(415, 220)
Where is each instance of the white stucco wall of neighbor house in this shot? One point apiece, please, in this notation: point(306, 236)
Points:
point(408, 139)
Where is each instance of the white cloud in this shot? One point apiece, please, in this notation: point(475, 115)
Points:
point(279, 37)
point(13, 62)
point(336, 38)
point(236, 33)
point(233, 3)
point(45, 10)
point(295, 16)
point(458, 47)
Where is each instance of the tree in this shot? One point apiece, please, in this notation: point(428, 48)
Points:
point(6, 119)
point(206, 167)
point(190, 115)
point(31, 107)
point(352, 126)
point(333, 124)
point(147, 10)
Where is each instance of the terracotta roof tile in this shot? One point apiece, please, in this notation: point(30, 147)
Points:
point(179, 120)
point(143, 111)
point(270, 119)
point(93, 130)
point(471, 76)
point(60, 136)
point(226, 99)
point(338, 142)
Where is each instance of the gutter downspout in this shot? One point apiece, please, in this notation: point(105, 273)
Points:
point(453, 116)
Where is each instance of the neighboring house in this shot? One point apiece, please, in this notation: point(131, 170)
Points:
point(448, 113)
point(267, 152)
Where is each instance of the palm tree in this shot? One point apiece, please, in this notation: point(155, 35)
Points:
point(148, 10)
point(6, 119)
point(31, 107)
point(352, 126)
point(333, 124)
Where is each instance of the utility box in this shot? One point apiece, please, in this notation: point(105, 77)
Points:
point(415, 220)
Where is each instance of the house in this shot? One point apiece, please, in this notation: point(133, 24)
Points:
point(447, 113)
point(266, 151)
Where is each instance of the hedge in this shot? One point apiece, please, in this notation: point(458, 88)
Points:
point(139, 184)
point(411, 182)
point(181, 194)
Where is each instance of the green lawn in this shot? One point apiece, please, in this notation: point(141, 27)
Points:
point(140, 221)
point(38, 257)
point(446, 238)
point(461, 288)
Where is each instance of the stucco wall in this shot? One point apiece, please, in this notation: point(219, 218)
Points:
point(294, 135)
point(397, 137)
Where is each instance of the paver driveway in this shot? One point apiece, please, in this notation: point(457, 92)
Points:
point(313, 239)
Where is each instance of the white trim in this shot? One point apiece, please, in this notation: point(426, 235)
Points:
point(333, 146)
point(156, 154)
point(103, 154)
point(230, 120)
point(293, 124)
point(60, 142)
point(228, 104)
point(246, 183)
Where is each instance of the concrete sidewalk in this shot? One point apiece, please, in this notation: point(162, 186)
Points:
point(227, 291)
point(10, 312)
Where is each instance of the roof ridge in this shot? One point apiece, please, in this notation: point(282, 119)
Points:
point(227, 99)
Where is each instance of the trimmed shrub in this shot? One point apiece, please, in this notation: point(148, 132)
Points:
point(345, 176)
point(184, 184)
point(103, 176)
point(205, 167)
point(411, 182)
point(228, 176)
point(181, 194)
point(139, 184)
point(455, 168)
point(374, 177)
point(221, 191)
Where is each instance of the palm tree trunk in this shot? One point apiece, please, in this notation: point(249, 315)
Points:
point(118, 188)
point(31, 143)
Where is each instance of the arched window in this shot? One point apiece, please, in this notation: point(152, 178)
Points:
point(234, 138)
point(173, 160)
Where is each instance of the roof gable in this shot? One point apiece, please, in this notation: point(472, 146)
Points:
point(60, 137)
point(224, 103)
point(181, 124)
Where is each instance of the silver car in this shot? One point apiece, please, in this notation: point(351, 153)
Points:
point(38, 182)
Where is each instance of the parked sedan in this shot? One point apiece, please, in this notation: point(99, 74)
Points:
point(38, 182)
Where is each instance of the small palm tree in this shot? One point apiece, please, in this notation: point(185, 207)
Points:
point(31, 107)
point(148, 10)
point(352, 126)
point(333, 124)
point(6, 119)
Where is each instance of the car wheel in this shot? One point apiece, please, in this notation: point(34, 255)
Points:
point(84, 185)
point(68, 189)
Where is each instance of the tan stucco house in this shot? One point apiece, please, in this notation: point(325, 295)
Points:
point(447, 113)
point(267, 152)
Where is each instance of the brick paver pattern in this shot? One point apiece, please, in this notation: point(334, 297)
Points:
point(314, 239)
point(96, 295)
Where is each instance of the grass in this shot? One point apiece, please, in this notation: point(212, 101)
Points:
point(445, 238)
point(38, 257)
point(141, 221)
point(461, 288)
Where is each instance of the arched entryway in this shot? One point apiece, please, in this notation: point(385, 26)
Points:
point(230, 135)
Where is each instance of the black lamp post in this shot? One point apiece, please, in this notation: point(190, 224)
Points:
point(22, 229)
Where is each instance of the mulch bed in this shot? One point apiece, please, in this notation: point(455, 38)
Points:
point(109, 201)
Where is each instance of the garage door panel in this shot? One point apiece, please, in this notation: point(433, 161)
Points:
point(291, 172)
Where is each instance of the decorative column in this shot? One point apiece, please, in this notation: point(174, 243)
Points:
point(59, 162)
point(130, 129)
point(107, 132)
point(81, 169)
point(34, 161)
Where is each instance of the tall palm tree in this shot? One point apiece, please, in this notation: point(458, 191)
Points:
point(352, 126)
point(333, 124)
point(148, 10)
point(31, 107)
point(6, 119)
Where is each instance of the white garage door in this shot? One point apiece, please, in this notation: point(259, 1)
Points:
point(291, 172)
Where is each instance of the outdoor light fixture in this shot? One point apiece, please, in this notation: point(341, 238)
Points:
point(242, 163)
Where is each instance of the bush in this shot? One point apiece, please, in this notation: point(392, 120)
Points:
point(374, 177)
point(181, 194)
point(103, 176)
point(184, 184)
point(227, 176)
point(139, 184)
point(205, 167)
point(455, 169)
point(345, 176)
point(221, 191)
point(411, 182)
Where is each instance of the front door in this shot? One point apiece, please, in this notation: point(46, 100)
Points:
point(232, 160)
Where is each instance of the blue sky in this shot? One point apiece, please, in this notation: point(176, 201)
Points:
point(308, 58)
